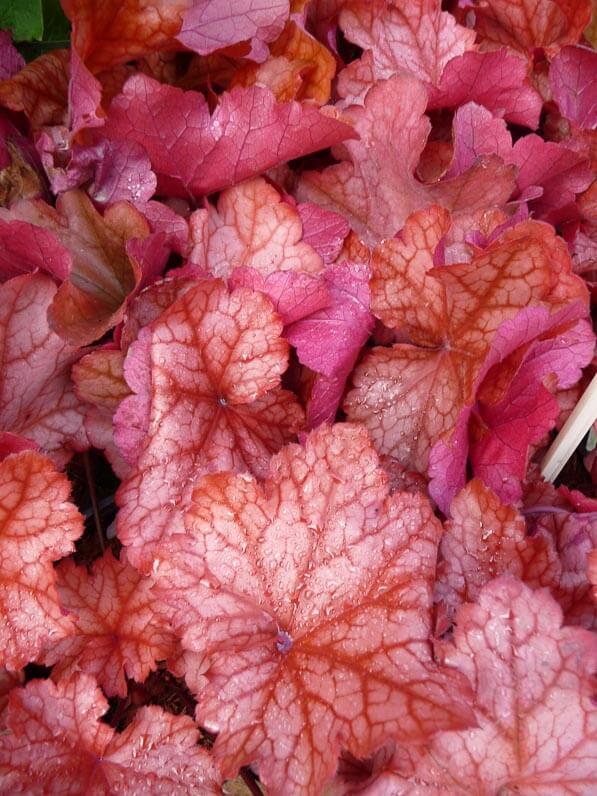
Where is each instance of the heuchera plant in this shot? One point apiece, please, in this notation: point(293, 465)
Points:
point(294, 297)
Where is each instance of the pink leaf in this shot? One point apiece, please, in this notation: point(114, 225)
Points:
point(476, 132)
point(117, 628)
point(557, 169)
point(323, 229)
point(537, 725)
point(84, 96)
point(26, 248)
point(36, 393)
point(497, 80)
point(310, 599)
point(294, 295)
point(209, 402)
point(572, 83)
point(211, 25)
point(123, 174)
point(375, 187)
point(38, 525)
point(55, 739)
point(195, 153)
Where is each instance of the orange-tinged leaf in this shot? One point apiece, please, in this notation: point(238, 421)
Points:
point(310, 599)
point(103, 275)
point(40, 90)
point(55, 739)
point(205, 376)
point(117, 628)
point(530, 24)
point(114, 32)
point(295, 44)
point(409, 395)
point(38, 525)
point(99, 378)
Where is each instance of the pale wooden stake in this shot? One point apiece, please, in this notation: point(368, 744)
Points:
point(572, 432)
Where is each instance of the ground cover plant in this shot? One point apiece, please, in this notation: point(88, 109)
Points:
point(294, 297)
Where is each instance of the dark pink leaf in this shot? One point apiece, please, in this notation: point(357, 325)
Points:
point(11, 60)
point(497, 80)
point(25, 248)
point(211, 25)
point(375, 187)
point(323, 229)
point(310, 599)
point(193, 152)
point(56, 740)
point(117, 630)
point(573, 86)
point(202, 402)
point(330, 340)
point(556, 168)
point(537, 724)
point(38, 524)
point(37, 400)
point(12, 443)
point(476, 132)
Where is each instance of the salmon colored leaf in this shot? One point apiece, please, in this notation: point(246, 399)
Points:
point(537, 725)
point(56, 740)
point(117, 629)
point(38, 525)
point(572, 83)
point(195, 153)
point(297, 47)
point(210, 25)
point(415, 37)
point(375, 187)
point(99, 381)
point(497, 80)
point(530, 24)
point(574, 534)
point(37, 400)
point(408, 396)
point(115, 32)
point(204, 402)
point(252, 227)
point(485, 539)
point(310, 598)
point(102, 274)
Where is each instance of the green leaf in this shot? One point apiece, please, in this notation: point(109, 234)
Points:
point(23, 17)
point(56, 31)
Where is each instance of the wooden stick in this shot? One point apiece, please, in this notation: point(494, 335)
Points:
point(574, 429)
